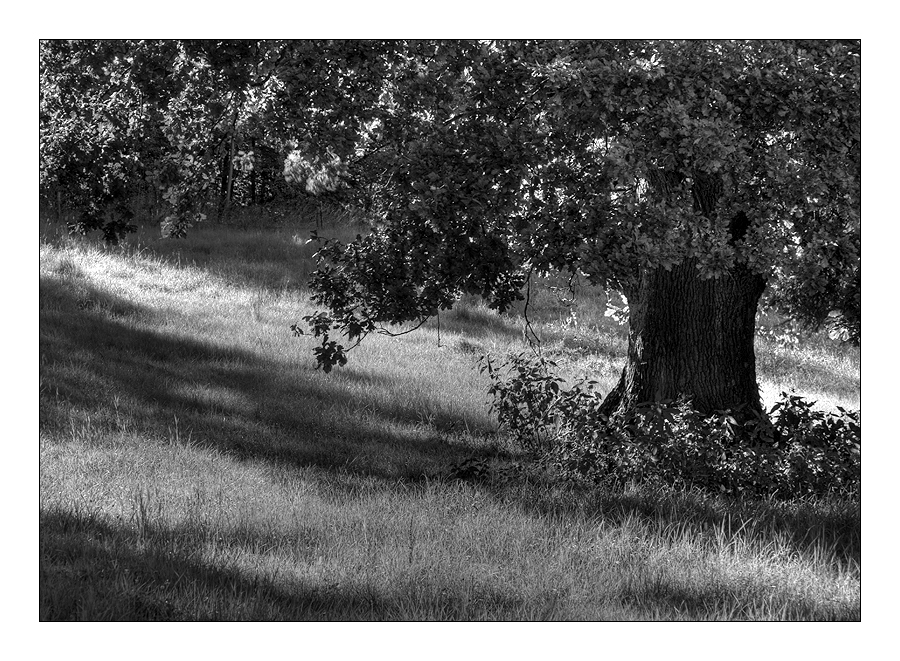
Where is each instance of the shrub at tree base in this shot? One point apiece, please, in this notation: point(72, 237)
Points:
point(795, 451)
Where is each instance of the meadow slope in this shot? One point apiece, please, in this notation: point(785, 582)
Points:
point(195, 465)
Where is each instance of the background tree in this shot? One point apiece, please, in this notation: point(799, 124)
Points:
point(90, 119)
point(196, 123)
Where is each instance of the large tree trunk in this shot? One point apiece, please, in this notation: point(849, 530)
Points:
point(692, 337)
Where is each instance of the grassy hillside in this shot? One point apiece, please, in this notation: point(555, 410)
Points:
point(195, 465)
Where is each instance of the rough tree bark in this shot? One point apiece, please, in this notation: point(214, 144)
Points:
point(692, 337)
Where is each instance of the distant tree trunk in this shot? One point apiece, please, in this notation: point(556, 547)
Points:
point(253, 174)
point(223, 186)
point(228, 171)
point(692, 337)
point(230, 179)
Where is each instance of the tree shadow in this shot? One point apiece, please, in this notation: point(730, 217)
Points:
point(100, 355)
point(806, 528)
point(475, 322)
point(741, 603)
point(92, 569)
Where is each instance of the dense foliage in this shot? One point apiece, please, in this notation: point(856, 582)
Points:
point(194, 125)
point(486, 161)
point(610, 159)
point(796, 451)
point(698, 175)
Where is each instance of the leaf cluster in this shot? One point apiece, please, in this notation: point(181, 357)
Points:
point(796, 450)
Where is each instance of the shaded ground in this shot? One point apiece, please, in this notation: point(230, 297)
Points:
point(92, 341)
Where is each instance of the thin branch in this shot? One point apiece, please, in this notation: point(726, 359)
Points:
point(528, 327)
point(466, 113)
point(384, 331)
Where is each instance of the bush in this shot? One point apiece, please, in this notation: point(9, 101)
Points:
point(796, 450)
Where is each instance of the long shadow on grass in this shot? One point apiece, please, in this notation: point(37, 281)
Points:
point(100, 355)
point(475, 322)
point(93, 570)
point(829, 530)
point(752, 601)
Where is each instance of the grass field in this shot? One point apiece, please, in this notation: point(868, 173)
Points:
point(195, 466)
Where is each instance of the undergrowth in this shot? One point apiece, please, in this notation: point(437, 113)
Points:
point(795, 451)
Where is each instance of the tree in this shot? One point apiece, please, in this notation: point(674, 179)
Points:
point(690, 176)
point(187, 119)
point(697, 178)
point(88, 118)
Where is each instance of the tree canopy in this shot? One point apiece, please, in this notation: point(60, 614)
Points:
point(484, 163)
point(612, 159)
